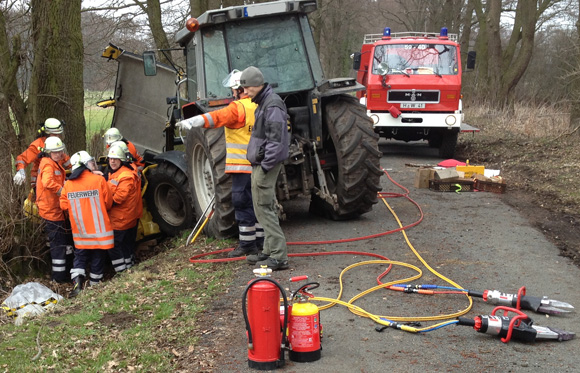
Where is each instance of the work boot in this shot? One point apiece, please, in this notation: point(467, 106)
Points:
point(77, 286)
point(240, 251)
point(255, 258)
point(273, 264)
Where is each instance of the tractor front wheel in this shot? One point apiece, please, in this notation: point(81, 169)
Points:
point(206, 159)
point(168, 198)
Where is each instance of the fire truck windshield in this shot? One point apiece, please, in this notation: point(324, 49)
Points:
point(417, 58)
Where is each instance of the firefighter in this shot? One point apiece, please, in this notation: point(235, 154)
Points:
point(132, 161)
point(51, 177)
point(87, 197)
point(52, 127)
point(112, 135)
point(238, 120)
point(127, 206)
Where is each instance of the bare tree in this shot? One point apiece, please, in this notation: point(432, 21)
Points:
point(501, 66)
point(13, 60)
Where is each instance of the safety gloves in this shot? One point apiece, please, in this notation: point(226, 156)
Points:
point(190, 123)
point(20, 177)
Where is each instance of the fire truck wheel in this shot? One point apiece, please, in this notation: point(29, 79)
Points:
point(206, 160)
point(448, 143)
point(168, 198)
point(355, 175)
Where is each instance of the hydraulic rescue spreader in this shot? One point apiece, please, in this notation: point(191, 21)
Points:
point(519, 327)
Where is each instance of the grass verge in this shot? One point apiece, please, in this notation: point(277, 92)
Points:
point(141, 320)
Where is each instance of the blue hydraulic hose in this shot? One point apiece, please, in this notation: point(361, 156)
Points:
point(438, 327)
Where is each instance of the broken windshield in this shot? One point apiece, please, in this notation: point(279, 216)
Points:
point(409, 59)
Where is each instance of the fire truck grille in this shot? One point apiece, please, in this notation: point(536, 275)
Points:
point(413, 96)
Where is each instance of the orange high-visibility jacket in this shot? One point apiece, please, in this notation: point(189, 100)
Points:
point(126, 197)
point(50, 182)
point(138, 159)
point(238, 120)
point(30, 155)
point(87, 199)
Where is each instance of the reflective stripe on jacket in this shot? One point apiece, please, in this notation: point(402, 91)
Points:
point(30, 155)
point(50, 182)
point(87, 199)
point(126, 197)
point(238, 120)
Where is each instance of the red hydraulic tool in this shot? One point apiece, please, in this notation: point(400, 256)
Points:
point(519, 327)
point(519, 300)
point(522, 301)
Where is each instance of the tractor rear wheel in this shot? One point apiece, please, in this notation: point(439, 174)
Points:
point(355, 176)
point(206, 160)
point(168, 198)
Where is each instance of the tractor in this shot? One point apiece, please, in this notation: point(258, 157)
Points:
point(334, 157)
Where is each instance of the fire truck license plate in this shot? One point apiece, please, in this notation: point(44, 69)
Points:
point(412, 105)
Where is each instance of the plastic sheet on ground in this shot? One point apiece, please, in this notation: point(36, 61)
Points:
point(28, 300)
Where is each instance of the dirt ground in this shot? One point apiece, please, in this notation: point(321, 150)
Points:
point(540, 188)
point(542, 176)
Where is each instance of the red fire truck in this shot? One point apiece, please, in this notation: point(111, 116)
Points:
point(413, 86)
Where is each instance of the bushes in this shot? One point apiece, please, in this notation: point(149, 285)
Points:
point(22, 240)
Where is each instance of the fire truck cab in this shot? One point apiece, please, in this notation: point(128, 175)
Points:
point(413, 86)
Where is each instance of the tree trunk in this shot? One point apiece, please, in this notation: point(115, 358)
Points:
point(575, 109)
point(198, 7)
point(56, 87)
point(500, 69)
point(11, 102)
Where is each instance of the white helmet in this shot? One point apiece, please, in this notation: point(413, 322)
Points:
point(112, 135)
point(123, 146)
point(53, 126)
point(233, 79)
point(81, 158)
point(53, 144)
point(117, 152)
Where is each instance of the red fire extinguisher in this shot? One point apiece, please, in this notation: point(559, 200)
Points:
point(266, 337)
point(304, 329)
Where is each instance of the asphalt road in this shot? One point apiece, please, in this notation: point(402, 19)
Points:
point(471, 238)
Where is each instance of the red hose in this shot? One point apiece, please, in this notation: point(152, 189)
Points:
point(195, 258)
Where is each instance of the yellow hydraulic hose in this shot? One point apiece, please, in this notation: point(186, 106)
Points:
point(380, 319)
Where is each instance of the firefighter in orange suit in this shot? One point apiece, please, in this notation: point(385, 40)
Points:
point(127, 205)
point(87, 197)
point(238, 120)
point(113, 134)
point(52, 127)
point(51, 177)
